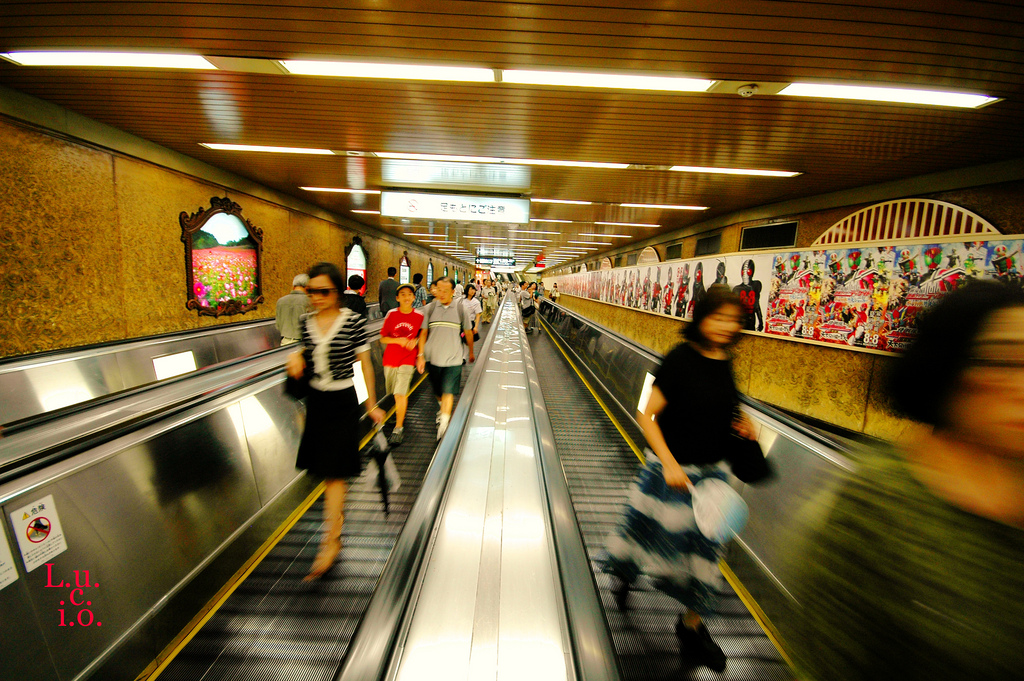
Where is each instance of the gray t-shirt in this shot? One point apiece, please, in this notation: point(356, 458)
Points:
point(525, 299)
point(289, 312)
point(444, 326)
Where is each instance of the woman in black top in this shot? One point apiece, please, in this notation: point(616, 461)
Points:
point(333, 339)
point(689, 418)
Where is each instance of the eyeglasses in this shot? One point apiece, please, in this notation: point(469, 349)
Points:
point(321, 291)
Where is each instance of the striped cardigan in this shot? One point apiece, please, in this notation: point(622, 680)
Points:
point(349, 340)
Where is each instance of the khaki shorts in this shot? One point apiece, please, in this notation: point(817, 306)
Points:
point(398, 379)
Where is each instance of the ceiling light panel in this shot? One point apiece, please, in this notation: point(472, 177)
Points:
point(346, 69)
point(265, 149)
point(614, 81)
point(495, 159)
point(734, 171)
point(592, 243)
point(341, 190)
point(367, 212)
point(661, 206)
point(609, 236)
point(627, 224)
point(111, 59)
point(888, 95)
point(574, 203)
point(549, 220)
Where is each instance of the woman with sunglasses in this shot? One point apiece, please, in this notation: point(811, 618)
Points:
point(333, 339)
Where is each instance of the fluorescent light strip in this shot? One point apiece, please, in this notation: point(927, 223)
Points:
point(272, 150)
point(615, 81)
point(610, 236)
point(575, 203)
point(627, 224)
point(593, 243)
point(508, 238)
point(367, 212)
point(531, 231)
point(347, 69)
point(495, 159)
point(549, 220)
point(422, 234)
point(661, 206)
point(341, 190)
point(888, 94)
point(140, 60)
point(734, 171)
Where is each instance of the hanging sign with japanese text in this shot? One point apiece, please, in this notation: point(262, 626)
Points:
point(455, 207)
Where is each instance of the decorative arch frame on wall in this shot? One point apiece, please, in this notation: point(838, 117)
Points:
point(229, 279)
point(430, 272)
point(404, 269)
point(906, 219)
point(606, 263)
point(356, 262)
point(649, 256)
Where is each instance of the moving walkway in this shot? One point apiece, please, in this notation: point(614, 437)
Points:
point(486, 566)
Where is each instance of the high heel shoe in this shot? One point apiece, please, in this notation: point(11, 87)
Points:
point(330, 545)
point(324, 560)
point(697, 646)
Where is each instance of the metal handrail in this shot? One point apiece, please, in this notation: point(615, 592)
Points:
point(22, 362)
point(594, 653)
point(370, 649)
point(71, 430)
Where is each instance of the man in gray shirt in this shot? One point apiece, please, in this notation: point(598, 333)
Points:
point(290, 309)
point(387, 292)
point(444, 320)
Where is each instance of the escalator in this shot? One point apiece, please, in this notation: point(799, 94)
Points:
point(274, 625)
point(599, 460)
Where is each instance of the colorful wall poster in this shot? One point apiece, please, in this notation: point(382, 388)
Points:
point(866, 296)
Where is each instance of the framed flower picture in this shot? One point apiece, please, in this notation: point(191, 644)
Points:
point(223, 253)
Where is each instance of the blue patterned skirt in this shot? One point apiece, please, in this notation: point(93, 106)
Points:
point(657, 536)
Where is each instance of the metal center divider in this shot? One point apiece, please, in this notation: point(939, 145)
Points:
point(370, 649)
point(593, 648)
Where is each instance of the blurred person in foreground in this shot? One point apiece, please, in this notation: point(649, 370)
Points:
point(687, 422)
point(333, 339)
point(913, 568)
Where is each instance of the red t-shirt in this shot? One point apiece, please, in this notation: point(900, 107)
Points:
point(400, 325)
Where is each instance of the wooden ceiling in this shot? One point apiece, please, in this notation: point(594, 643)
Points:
point(964, 46)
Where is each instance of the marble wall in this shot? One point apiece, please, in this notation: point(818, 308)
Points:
point(831, 384)
point(91, 251)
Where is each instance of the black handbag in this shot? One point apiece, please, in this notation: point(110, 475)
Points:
point(747, 461)
point(298, 388)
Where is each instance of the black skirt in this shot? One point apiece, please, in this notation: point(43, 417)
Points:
point(330, 442)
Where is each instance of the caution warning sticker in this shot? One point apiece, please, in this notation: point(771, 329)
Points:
point(39, 533)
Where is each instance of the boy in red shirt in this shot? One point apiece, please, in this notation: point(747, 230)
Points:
point(400, 337)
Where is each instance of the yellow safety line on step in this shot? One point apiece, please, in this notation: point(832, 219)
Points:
point(748, 601)
point(615, 421)
point(755, 610)
point(214, 604)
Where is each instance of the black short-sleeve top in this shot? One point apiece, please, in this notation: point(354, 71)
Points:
point(701, 397)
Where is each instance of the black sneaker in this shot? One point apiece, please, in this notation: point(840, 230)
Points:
point(397, 436)
point(699, 648)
